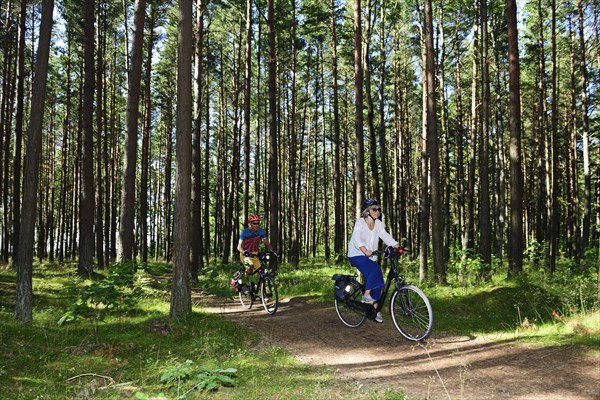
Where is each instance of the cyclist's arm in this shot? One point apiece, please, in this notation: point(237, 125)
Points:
point(266, 242)
point(386, 237)
point(239, 246)
point(366, 251)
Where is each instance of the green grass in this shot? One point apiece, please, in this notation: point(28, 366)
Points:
point(127, 353)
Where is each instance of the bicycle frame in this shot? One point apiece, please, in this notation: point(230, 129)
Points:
point(391, 277)
point(265, 288)
point(261, 272)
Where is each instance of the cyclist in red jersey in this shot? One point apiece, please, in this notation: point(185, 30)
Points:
point(250, 239)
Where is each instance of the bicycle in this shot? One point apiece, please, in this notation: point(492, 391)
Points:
point(265, 288)
point(410, 308)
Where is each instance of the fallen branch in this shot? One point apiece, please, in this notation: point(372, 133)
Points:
point(108, 378)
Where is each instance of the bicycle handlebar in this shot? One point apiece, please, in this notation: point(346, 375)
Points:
point(392, 252)
point(266, 255)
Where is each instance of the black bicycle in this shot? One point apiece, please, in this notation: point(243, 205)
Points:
point(265, 287)
point(410, 309)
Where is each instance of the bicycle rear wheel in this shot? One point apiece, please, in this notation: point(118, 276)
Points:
point(269, 295)
point(350, 311)
point(412, 313)
point(247, 299)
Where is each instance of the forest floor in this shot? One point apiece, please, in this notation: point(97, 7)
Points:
point(445, 367)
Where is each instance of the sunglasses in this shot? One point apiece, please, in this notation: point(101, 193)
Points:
point(255, 223)
point(376, 209)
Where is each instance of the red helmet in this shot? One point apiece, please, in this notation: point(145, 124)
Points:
point(254, 218)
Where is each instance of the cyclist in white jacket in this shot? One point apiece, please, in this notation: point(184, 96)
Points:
point(368, 230)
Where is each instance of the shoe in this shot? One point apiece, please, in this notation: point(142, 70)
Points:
point(367, 299)
point(245, 289)
point(379, 318)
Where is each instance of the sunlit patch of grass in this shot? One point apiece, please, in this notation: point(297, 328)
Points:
point(585, 324)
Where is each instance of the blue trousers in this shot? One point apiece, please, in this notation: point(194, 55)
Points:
point(372, 272)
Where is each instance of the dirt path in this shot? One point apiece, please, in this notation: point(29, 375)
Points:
point(446, 367)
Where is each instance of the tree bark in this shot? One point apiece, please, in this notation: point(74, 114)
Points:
point(196, 215)
point(181, 295)
point(19, 116)
point(146, 127)
point(339, 231)
point(437, 217)
point(358, 104)
point(587, 181)
point(86, 201)
point(273, 131)
point(485, 236)
point(100, 118)
point(556, 187)
point(24, 258)
point(126, 229)
point(516, 177)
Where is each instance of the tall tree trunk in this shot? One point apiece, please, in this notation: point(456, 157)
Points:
point(146, 128)
point(196, 216)
point(4, 117)
point(516, 177)
point(468, 234)
point(86, 201)
point(167, 188)
point(293, 157)
point(573, 223)
point(372, 149)
point(100, 118)
point(206, 170)
point(587, 181)
point(385, 176)
point(181, 295)
point(273, 147)
point(460, 153)
point(24, 258)
point(485, 236)
point(437, 216)
point(425, 204)
point(358, 104)
point(555, 208)
point(247, 103)
point(339, 231)
point(19, 116)
point(126, 229)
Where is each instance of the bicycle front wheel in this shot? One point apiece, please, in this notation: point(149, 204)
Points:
point(247, 298)
point(412, 313)
point(350, 311)
point(269, 295)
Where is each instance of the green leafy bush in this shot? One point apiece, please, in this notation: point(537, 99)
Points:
point(113, 294)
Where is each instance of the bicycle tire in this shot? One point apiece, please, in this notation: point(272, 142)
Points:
point(247, 299)
point(347, 311)
point(412, 313)
point(269, 295)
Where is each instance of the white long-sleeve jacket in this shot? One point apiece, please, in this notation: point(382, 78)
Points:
point(363, 236)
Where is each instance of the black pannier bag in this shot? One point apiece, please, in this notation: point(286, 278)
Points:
point(339, 286)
